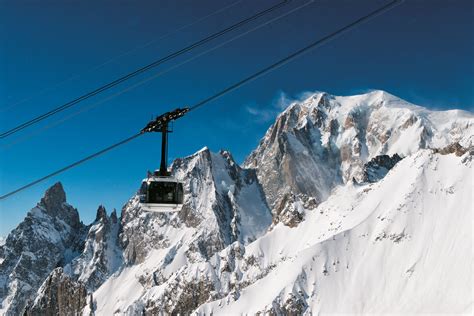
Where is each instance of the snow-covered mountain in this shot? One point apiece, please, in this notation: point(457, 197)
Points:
point(359, 204)
point(325, 141)
point(50, 236)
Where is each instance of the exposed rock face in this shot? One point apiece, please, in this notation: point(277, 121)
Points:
point(102, 253)
point(53, 200)
point(325, 141)
point(67, 290)
point(454, 148)
point(190, 295)
point(50, 236)
point(59, 295)
point(378, 167)
point(289, 210)
point(288, 159)
point(223, 204)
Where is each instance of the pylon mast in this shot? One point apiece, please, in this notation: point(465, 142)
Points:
point(160, 124)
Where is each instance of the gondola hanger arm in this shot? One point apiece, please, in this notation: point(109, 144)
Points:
point(157, 124)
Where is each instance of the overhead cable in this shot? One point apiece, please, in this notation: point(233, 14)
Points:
point(117, 57)
point(148, 79)
point(230, 88)
point(141, 70)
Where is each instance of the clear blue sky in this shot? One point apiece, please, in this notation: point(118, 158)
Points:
point(421, 51)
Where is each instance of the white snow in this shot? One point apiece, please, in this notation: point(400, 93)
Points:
point(390, 113)
point(255, 217)
point(403, 245)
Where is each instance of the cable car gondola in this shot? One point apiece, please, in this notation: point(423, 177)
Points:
point(161, 192)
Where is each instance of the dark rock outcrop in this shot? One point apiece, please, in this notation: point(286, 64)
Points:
point(454, 148)
point(379, 166)
point(59, 295)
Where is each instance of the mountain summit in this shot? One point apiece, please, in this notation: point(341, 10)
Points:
point(325, 140)
point(353, 204)
point(50, 236)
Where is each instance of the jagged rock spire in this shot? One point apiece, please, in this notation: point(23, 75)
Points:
point(113, 216)
point(44, 240)
point(54, 197)
point(54, 204)
point(101, 214)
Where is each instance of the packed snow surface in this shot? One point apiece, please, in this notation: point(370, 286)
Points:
point(403, 245)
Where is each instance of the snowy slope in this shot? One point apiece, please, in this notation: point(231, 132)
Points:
point(224, 204)
point(402, 245)
point(371, 248)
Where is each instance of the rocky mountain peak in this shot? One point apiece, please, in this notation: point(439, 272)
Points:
point(221, 200)
point(54, 204)
point(323, 141)
point(101, 215)
point(50, 236)
point(54, 197)
point(227, 155)
point(113, 216)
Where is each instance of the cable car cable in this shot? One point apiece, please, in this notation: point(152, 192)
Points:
point(101, 152)
point(142, 69)
point(146, 80)
point(119, 56)
point(298, 53)
point(181, 112)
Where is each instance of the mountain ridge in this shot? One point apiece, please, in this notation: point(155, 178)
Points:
point(306, 183)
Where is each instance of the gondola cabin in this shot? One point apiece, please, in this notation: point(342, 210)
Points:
point(161, 194)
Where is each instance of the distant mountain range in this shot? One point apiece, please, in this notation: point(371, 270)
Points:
point(356, 204)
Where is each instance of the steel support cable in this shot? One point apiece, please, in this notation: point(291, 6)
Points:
point(299, 53)
point(146, 80)
point(114, 58)
point(142, 69)
point(266, 70)
point(103, 151)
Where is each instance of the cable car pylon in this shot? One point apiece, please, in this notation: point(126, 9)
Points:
point(161, 192)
